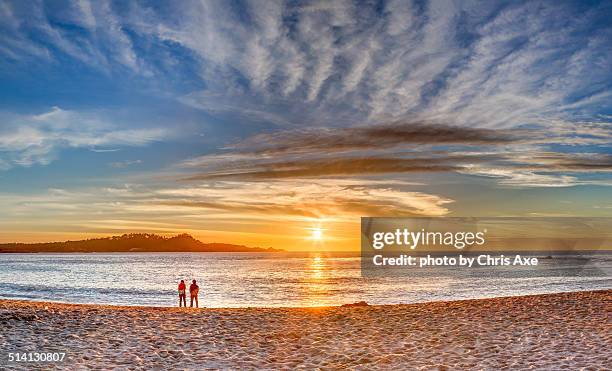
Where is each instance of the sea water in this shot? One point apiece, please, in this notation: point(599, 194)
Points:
point(276, 279)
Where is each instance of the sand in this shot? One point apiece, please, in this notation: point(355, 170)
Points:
point(557, 331)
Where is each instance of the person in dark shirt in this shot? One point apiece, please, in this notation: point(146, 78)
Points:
point(193, 292)
point(182, 295)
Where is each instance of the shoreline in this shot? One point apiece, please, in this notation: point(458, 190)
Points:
point(553, 331)
point(343, 305)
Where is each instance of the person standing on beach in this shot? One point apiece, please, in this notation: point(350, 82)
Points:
point(182, 295)
point(193, 292)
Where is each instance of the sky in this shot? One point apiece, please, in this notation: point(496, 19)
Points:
point(258, 123)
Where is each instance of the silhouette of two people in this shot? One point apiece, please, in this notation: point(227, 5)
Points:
point(193, 293)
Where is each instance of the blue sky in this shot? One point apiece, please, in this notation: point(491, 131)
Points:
point(227, 117)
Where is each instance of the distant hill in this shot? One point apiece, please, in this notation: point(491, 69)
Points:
point(133, 242)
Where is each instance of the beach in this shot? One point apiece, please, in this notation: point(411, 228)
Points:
point(552, 331)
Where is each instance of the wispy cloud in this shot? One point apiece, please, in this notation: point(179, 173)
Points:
point(103, 42)
point(104, 150)
point(497, 65)
point(125, 163)
point(330, 198)
point(493, 65)
point(243, 206)
point(26, 140)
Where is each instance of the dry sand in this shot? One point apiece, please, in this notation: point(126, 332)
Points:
point(558, 331)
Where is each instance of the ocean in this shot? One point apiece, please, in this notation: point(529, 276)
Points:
point(277, 279)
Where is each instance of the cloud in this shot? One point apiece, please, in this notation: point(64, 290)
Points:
point(105, 150)
point(569, 162)
point(494, 165)
point(493, 65)
point(531, 179)
point(396, 147)
point(546, 169)
point(90, 32)
point(198, 206)
point(331, 198)
point(329, 167)
point(124, 164)
point(26, 140)
point(382, 136)
point(496, 65)
point(517, 157)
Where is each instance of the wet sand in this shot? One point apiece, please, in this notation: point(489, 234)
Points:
point(556, 331)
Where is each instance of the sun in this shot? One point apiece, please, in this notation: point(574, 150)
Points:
point(317, 234)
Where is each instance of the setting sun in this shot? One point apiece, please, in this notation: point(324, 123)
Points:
point(317, 234)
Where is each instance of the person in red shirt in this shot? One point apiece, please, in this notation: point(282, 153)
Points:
point(182, 295)
point(193, 292)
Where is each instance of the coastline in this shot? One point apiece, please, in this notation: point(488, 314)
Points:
point(551, 331)
point(26, 303)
